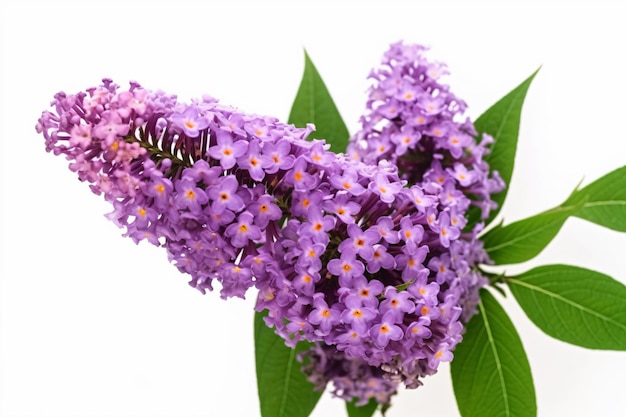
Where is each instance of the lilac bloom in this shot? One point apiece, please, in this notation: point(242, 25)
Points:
point(235, 281)
point(419, 329)
point(457, 219)
point(431, 217)
point(346, 268)
point(357, 315)
point(348, 182)
point(441, 265)
point(144, 215)
point(254, 161)
point(317, 227)
point(257, 128)
point(227, 151)
point(456, 142)
point(243, 231)
point(427, 310)
point(446, 231)
point(319, 155)
point(385, 228)
point(421, 200)
point(310, 257)
point(427, 292)
point(437, 130)
point(431, 105)
point(385, 331)
point(442, 354)
point(405, 139)
point(303, 202)
point(366, 292)
point(159, 189)
point(305, 282)
point(449, 310)
point(380, 259)
point(390, 110)
point(202, 171)
point(385, 189)
point(410, 262)
point(224, 195)
point(396, 304)
point(450, 196)
point(322, 316)
point(188, 195)
point(280, 156)
point(410, 233)
point(264, 210)
point(351, 338)
point(407, 92)
point(343, 208)
point(218, 219)
point(462, 174)
point(191, 121)
point(360, 242)
point(298, 176)
point(232, 123)
point(297, 327)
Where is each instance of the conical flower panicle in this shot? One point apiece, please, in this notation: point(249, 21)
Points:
point(345, 254)
point(413, 120)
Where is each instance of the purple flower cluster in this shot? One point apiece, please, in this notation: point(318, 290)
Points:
point(415, 121)
point(353, 379)
point(366, 258)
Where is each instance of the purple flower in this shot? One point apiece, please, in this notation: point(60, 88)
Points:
point(385, 189)
point(346, 267)
point(380, 259)
point(396, 304)
point(446, 231)
point(385, 331)
point(442, 354)
point(243, 231)
point(264, 210)
point(357, 315)
point(227, 151)
point(385, 227)
point(224, 195)
point(191, 121)
point(322, 315)
point(343, 208)
point(254, 161)
point(280, 158)
point(348, 182)
point(411, 234)
point(360, 242)
point(299, 178)
point(189, 195)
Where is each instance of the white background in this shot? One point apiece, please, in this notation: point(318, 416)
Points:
point(92, 325)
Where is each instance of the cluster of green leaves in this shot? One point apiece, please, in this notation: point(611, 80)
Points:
point(490, 372)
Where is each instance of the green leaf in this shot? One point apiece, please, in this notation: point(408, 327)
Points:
point(490, 372)
point(366, 410)
point(282, 387)
point(502, 122)
point(313, 104)
point(604, 200)
point(523, 240)
point(575, 305)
